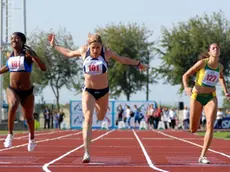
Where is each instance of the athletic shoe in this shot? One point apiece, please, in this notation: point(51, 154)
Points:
point(31, 145)
point(203, 160)
point(86, 158)
point(8, 140)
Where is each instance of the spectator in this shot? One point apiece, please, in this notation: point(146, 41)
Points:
point(138, 116)
point(186, 118)
point(47, 116)
point(61, 118)
point(128, 115)
point(120, 114)
point(157, 117)
point(172, 116)
point(165, 117)
point(219, 118)
point(56, 116)
point(149, 116)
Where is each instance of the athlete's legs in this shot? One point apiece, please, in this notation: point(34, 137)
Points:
point(210, 110)
point(88, 104)
point(13, 101)
point(102, 106)
point(195, 113)
point(27, 110)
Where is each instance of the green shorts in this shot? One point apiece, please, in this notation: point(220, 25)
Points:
point(203, 98)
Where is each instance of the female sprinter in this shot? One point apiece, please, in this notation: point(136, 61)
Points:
point(203, 95)
point(20, 90)
point(96, 87)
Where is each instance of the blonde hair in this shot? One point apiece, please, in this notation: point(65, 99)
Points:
point(94, 38)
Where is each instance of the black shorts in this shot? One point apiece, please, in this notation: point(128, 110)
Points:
point(23, 94)
point(97, 93)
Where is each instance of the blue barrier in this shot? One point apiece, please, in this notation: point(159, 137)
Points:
point(225, 123)
point(76, 114)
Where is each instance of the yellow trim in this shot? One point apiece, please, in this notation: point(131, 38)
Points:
point(214, 94)
point(200, 77)
point(194, 96)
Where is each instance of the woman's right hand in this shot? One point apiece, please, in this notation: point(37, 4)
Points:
point(51, 38)
point(188, 91)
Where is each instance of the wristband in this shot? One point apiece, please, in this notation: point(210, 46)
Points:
point(138, 64)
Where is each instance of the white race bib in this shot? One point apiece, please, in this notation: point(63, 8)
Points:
point(211, 77)
point(16, 63)
point(93, 67)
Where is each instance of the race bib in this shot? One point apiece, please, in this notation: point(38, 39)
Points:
point(211, 77)
point(93, 67)
point(16, 63)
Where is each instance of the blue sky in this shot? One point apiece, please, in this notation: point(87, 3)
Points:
point(81, 17)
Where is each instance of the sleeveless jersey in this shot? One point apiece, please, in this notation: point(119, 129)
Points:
point(18, 63)
point(95, 66)
point(208, 76)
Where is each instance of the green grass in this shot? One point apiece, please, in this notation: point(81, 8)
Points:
point(219, 135)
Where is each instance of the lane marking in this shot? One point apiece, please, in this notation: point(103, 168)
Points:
point(146, 154)
point(192, 143)
point(45, 166)
point(163, 138)
point(117, 138)
point(96, 163)
point(192, 165)
point(36, 134)
point(40, 141)
point(26, 136)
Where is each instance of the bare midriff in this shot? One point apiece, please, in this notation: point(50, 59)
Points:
point(96, 81)
point(20, 80)
point(202, 89)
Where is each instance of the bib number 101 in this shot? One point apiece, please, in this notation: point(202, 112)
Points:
point(93, 68)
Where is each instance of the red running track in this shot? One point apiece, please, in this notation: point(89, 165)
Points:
point(119, 150)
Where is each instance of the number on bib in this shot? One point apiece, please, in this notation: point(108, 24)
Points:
point(211, 78)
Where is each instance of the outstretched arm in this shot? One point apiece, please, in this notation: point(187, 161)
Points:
point(4, 69)
point(126, 60)
point(68, 53)
point(64, 51)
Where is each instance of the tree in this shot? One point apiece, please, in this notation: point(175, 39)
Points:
point(61, 71)
point(180, 46)
point(129, 40)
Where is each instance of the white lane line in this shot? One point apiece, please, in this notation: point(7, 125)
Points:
point(45, 166)
point(192, 165)
point(39, 134)
point(40, 141)
point(146, 154)
point(163, 138)
point(192, 143)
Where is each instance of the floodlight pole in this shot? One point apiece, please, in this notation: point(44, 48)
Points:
point(1, 55)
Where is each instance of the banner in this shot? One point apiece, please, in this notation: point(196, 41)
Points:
point(224, 125)
point(77, 117)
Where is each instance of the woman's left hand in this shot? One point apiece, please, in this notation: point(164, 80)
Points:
point(30, 52)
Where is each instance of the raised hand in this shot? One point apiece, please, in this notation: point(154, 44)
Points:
point(51, 39)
